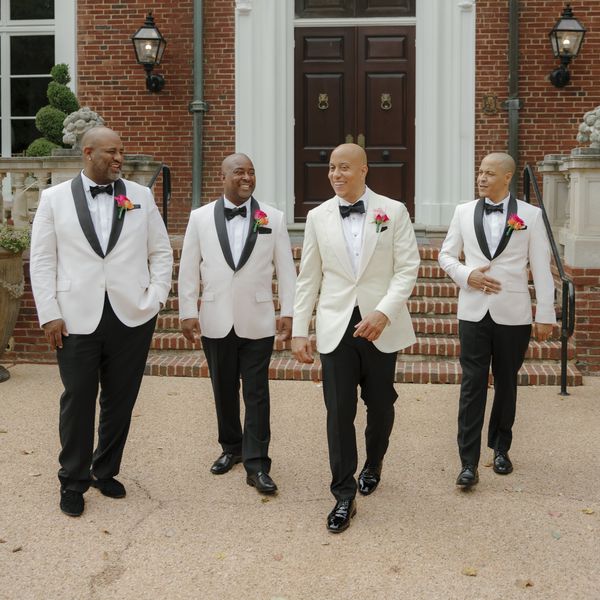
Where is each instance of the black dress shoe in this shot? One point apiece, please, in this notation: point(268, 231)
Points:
point(225, 463)
point(262, 482)
point(368, 480)
point(109, 487)
point(338, 519)
point(468, 476)
point(502, 464)
point(71, 502)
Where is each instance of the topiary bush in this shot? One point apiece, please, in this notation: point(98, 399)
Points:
point(49, 119)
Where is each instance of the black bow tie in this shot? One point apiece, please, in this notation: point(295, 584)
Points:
point(101, 189)
point(357, 207)
point(234, 212)
point(490, 208)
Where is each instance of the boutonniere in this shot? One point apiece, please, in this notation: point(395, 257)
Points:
point(124, 203)
point(514, 223)
point(260, 220)
point(380, 219)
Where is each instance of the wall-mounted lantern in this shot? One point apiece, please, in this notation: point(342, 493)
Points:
point(566, 38)
point(149, 46)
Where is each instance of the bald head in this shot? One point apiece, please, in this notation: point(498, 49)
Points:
point(92, 137)
point(348, 171)
point(239, 178)
point(494, 176)
point(102, 154)
point(229, 162)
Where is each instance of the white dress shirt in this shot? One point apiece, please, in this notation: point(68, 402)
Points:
point(353, 226)
point(493, 224)
point(237, 229)
point(101, 210)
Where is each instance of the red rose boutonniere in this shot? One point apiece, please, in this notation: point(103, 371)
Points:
point(124, 203)
point(514, 223)
point(260, 219)
point(380, 219)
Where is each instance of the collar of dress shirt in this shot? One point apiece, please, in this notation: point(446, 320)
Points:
point(504, 203)
point(364, 197)
point(229, 204)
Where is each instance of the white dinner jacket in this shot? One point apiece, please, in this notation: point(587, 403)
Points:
point(386, 274)
point(238, 296)
point(70, 274)
point(516, 252)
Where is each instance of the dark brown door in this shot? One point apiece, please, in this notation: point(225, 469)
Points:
point(354, 84)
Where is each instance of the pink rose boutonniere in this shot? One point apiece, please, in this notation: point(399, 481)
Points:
point(514, 223)
point(124, 203)
point(380, 219)
point(260, 219)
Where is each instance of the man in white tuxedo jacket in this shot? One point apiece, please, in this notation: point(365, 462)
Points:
point(501, 238)
point(360, 259)
point(232, 246)
point(100, 273)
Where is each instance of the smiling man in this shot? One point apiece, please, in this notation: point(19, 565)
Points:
point(233, 246)
point(360, 259)
point(502, 238)
point(99, 276)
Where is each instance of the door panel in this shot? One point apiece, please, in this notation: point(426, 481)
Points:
point(354, 84)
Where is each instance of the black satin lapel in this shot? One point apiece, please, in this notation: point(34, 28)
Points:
point(117, 224)
point(511, 210)
point(252, 235)
point(83, 214)
point(479, 232)
point(222, 232)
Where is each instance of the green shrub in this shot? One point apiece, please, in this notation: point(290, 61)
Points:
point(62, 98)
point(60, 73)
point(49, 121)
point(40, 147)
point(14, 240)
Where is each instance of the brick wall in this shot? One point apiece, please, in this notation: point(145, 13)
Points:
point(550, 116)
point(111, 82)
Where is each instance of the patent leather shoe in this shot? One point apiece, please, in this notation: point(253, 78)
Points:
point(262, 482)
point(502, 464)
point(468, 476)
point(109, 487)
point(369, 478)
point(338, 519)
point(225, 463)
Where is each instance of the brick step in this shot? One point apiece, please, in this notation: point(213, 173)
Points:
point(194, 365)
point(425, 347)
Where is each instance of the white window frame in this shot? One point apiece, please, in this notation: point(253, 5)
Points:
point(63, 27)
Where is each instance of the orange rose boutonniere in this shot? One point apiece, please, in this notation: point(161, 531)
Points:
point(124, 203)
point(514, 223)
point(260, 219)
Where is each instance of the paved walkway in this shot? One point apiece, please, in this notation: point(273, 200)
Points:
point(182, 533)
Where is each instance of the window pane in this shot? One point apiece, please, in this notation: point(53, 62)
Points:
point(23, 133)
point(28, 96)
point(31, 9)
point(31, 54)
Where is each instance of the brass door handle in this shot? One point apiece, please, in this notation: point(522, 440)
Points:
point(360, 140)
point(349, 138)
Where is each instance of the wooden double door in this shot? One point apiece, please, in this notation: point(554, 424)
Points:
point(354, 84)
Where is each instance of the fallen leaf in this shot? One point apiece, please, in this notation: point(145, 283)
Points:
point(220, 556)
point(277, 556)
point(553, 513)
point(26, 452)
point(34, 474)
point(488, 463)
point(556, 535)
point(2, 541)
point(3, 430)
point(469, 571)
point(265, 500)
point(324, 543)
point(172, 393)
point(588, 511)
point(524, 583)
point(106, 531)
point(17, 549)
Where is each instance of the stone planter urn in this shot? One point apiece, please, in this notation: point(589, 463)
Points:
point(11, 290)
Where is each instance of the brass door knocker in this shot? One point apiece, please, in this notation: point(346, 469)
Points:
point(386, 101)
point(323, 102)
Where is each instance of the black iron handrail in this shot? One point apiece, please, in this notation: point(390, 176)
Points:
point(568, 289)
point(166, 189)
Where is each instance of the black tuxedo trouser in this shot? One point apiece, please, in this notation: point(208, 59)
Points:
point(113, 359)
point(230, 358)
point(504, 346)
point(355, 362)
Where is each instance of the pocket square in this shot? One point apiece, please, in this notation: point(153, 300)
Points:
point(382, 229)
point(264, 230)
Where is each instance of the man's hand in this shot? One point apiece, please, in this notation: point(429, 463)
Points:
point(191, 330)
point(302, 350)
point(371, 326)
point(284, 328)
point(480, 281)
point(541, 331)
point(54, 331)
